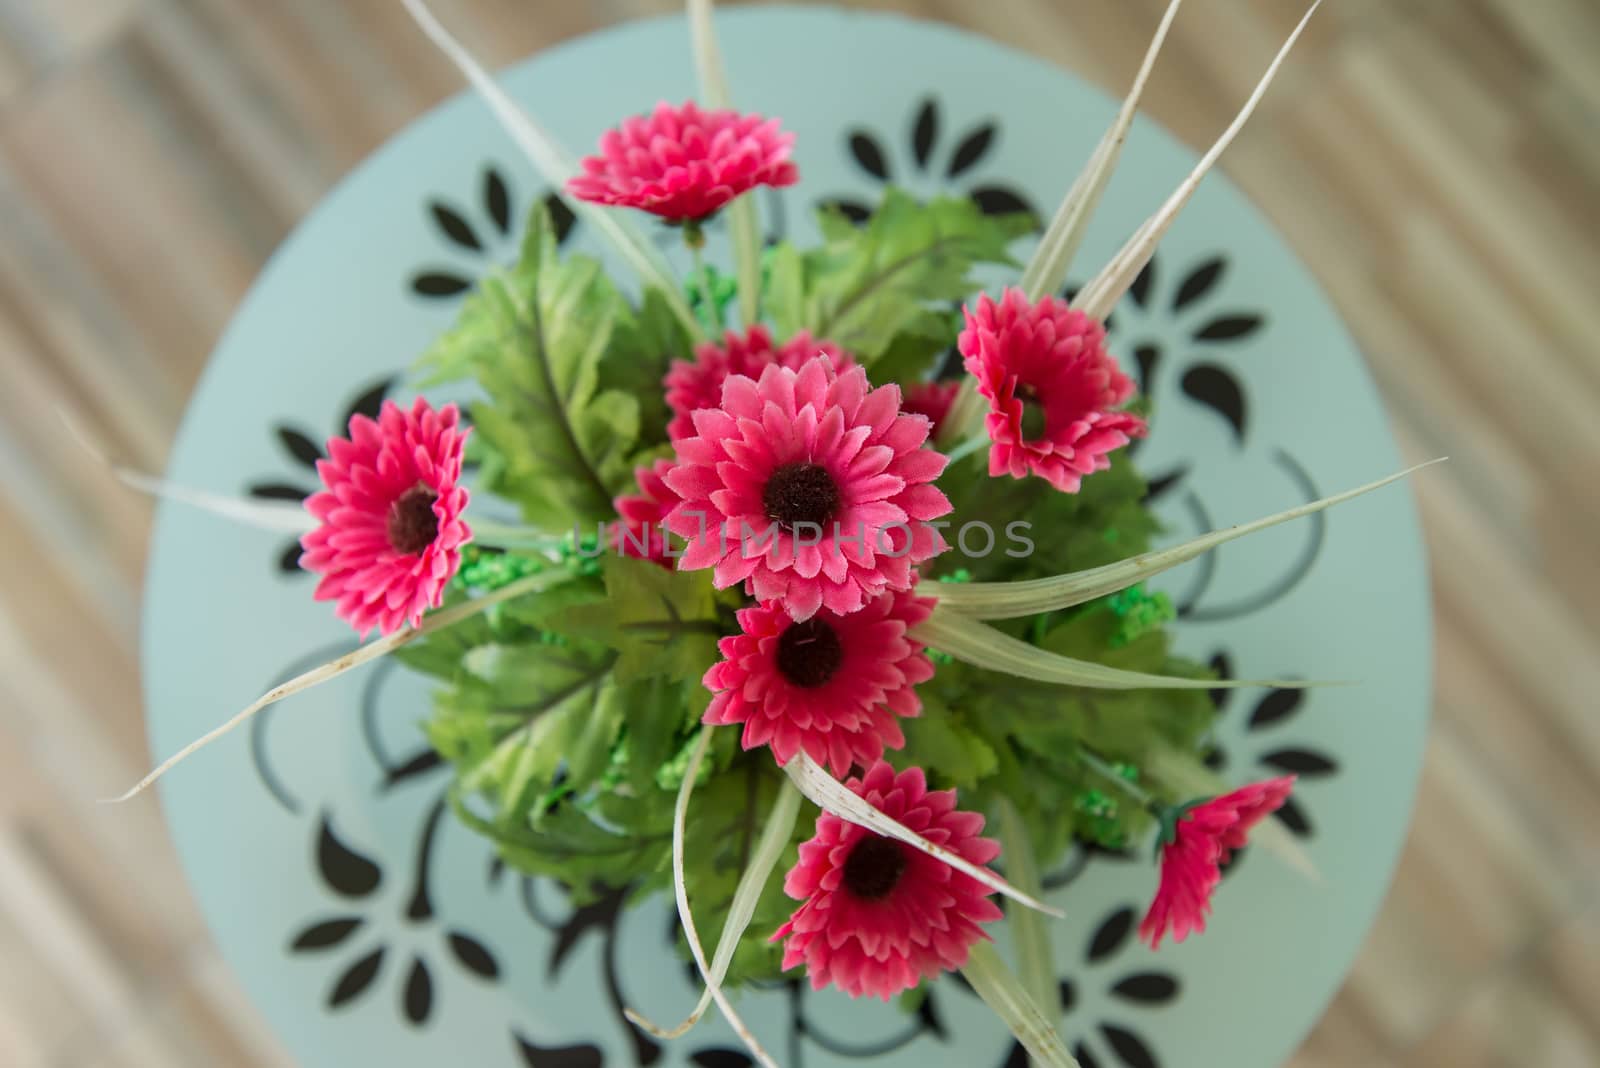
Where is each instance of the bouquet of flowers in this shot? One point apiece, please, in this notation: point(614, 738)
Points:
point(820, 567)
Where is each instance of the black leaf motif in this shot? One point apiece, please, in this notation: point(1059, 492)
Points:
point(1069, 996)
point(855, 211)
point(354, 982)
point(1152, 988)
point(1140, 290)
point(276, 491)
point(1276, 705)
point(925, 133)
point(1219, 390)
point(1222, 664)
point(562, 219)
point(290, 560)
point(1111, 934)
point(455, 227)
point(1130, 1047)
point(440, 284)
point(497, 199)
point(1162, 484)
point(1147, 357)
point(559, 1057)
point(1215, 759)
point(474, 956)
point(864, 147)
point(326, 935)
point(721, 1058)
point(1301, 762)
point(971, 149)
point(343, 869)
point(1228, 328)
point(1199, 282)
point(418, 1000)
point(928, 1013)
point(1085, 1058)
point(302, 448)
point(425, 761)
point(370, 403)
point(997, 200)
point(1017, 1058)
point(1293, 815)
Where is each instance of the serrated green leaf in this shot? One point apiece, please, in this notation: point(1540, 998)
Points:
point(784, 297)
point(957, 755)
point(659, 621)
point(917, 349)
point(1049, 532)
point(533, 338)
point(866, 285)
point(645, 342)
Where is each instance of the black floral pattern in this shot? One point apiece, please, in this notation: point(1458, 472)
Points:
point(951, 164)
point(356, 878)
point(1110, 1039)
point(1266, 745)
point(303, 451)
point(1142, 324)
point(487, 235)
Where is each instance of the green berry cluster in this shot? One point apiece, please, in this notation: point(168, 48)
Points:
point(670, 775)
point(1138, 613)
point(960, 574)
point(1100, 823)
point(482, 570)
point(724, 289)
point(580, 554)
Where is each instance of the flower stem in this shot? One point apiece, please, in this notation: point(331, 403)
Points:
point(967, 448)
point(710, 315)
point(1000, 989)
point(1095, 764)
point(1036, 966)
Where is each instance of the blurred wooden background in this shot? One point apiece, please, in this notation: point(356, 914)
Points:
point(1436, 161)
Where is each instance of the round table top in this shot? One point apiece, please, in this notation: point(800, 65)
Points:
point(371, 928)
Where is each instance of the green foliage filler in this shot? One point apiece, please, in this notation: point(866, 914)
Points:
point(568, 715)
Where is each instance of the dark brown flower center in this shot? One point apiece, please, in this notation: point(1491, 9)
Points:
point(1032, 412)
point(874, 867)
point(800, 493)
point(412, 524)
point(809, 653)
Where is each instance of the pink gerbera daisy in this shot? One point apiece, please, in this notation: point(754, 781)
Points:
point(932, 399)
point(685, 163)
point(638, 531)
point(831, 685)
point(1199, 842)
point(809, 487)
point(695, 384)
point(879, 916)
point(1052, 388)
point(390, 532)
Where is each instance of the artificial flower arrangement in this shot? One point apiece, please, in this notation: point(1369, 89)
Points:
point(781, 598)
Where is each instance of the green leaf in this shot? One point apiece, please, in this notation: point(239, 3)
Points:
point(518, 715)
point(658, 719)
point(867, 285)
point(1103, 522)
point(533, 338)
point(940, 741)
point(660, 622)
point(784, 299)
point(913, 352)
point(645, 342)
